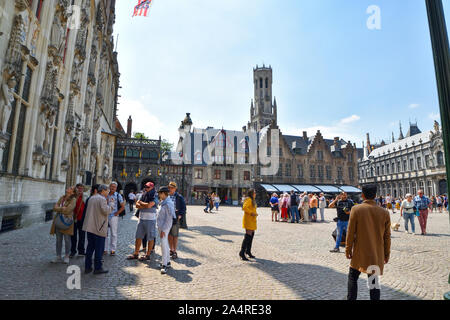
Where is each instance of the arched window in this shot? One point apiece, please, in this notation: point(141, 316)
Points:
point(267, 83)
point(260, 83)
point(440, 158)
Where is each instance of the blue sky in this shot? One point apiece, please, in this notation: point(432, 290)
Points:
point(330, 71)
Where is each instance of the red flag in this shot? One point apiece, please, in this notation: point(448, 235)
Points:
point(142, 8)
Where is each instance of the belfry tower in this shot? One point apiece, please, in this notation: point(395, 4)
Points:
point(262, 111)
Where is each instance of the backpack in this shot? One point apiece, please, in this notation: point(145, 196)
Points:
point(122, 214)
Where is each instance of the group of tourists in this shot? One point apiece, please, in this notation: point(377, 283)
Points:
point(97, 218)
point(211, 200)
point(368, 223)
point(298, 208)
point(439, 203)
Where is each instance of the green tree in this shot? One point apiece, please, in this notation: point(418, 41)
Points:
point(166, 146)
point(139, 135)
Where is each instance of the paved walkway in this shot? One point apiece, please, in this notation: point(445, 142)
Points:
point(293, 262)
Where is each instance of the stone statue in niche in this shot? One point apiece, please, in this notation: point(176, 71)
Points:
point(77, 70)
point(6, 101)
point(40, 131)
point(105, 172)
point(57, 37)
point(50, 124)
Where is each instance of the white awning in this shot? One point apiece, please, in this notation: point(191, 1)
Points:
point(330, 189)
point(350, 189)
point(284, 187)
point(306, 188)
point(269, 188)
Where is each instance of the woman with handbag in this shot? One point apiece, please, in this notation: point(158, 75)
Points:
point(62, 225)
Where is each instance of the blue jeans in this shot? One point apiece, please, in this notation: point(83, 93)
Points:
point(409, 217)
point(341, 226)
point(295, 214)
point(95, 244)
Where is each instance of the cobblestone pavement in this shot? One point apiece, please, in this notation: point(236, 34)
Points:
point(293, 262)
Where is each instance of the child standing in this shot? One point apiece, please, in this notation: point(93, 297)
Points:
point(166, 214)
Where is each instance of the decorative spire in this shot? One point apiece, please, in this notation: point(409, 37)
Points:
point(393, 140)
point(401, 132)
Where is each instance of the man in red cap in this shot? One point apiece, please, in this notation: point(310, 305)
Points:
point(146, 227)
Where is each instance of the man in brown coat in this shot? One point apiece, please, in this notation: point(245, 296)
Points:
point(368, 242)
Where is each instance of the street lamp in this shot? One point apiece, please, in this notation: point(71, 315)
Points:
point(441, 55)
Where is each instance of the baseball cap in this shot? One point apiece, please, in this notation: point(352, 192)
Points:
point(149, 184)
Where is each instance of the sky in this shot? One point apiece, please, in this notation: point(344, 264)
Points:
point(330, 71)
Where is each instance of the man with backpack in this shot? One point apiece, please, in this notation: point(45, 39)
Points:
point(113, 218)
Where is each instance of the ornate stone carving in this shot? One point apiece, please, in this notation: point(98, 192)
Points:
point(13, 59)
point(57, 38)
point(6, 101)
point(100, 18)
point(77, 70)
point(50, 92)
point(21, 5)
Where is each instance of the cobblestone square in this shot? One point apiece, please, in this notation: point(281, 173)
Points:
point(293, 263)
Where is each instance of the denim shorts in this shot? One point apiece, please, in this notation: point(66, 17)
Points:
point(146, 228)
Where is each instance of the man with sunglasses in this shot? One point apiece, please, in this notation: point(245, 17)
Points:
point(146, 227)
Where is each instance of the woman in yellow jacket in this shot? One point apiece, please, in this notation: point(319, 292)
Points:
point(249, 224)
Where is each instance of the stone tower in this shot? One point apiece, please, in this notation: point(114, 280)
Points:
point(262, 110)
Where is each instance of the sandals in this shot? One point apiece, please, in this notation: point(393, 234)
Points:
point(133, 257)
point(144, 258)
point(174, 255)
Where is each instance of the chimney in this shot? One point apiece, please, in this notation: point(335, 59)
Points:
point(129, 126)
point(305, 135)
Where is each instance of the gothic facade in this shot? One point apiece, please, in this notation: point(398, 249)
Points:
point(302, 160)
point(59, 79)
point(406, 165)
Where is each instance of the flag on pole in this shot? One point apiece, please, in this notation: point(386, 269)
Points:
point(142, 8)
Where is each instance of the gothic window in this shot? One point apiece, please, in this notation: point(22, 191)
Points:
point(405, 165)
point(288, 169)
point(320, 172)
point(393, 167)
point(382, 169)
point(281, 152)
point(312, 171)
point(440, 158)
point(267, 83)
point(427, 161)
point(339, 172)
point(280, 170)
point(320, 155)
point(387, 169)
point(378, 171)
point(398, 167)
point(429, 188)
point(300, 170)
point(419, 163)
point(411, 164)
point(350, 157)
point(350, 173)
point(328, 169)
point(260, 83)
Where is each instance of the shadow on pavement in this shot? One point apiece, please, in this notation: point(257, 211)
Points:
point(313, 282)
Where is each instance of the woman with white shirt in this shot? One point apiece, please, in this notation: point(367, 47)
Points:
point(408, 213)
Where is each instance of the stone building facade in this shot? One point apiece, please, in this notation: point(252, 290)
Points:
point(413, 162)
point(136, 161)
point(303, 160)
point(59, 78)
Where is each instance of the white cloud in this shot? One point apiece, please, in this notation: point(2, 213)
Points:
point(434, 116)
point(144, 121)
point(350, 119)
point(414, 106)
point(340, 129)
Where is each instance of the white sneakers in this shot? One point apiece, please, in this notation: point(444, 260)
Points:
point(61, 260)
point(406, 231)
point(57, 260)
